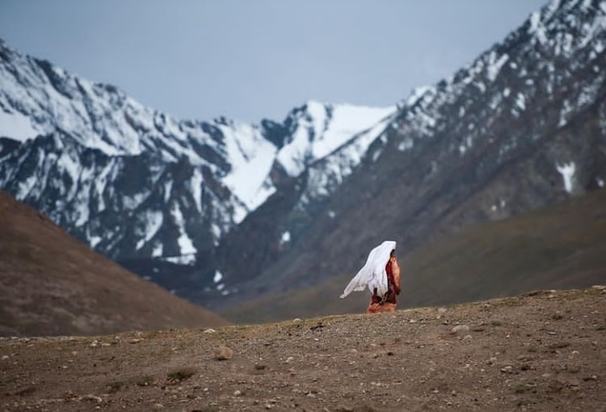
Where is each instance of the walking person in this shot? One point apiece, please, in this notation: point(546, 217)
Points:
point(381, 274)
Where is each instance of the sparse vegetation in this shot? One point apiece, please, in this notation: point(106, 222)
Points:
point(144, 381)
point(115, 386)
point(180, 374)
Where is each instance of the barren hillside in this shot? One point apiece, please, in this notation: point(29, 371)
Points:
point(542, 351)
point(52, 284)
point(562, 246)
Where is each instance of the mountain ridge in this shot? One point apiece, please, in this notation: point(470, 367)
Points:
point(496, 139)
point(562, 246)
point(93, 154)
point(222, 211)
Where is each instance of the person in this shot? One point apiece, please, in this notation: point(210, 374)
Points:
point(388, 302)
point(381, 274)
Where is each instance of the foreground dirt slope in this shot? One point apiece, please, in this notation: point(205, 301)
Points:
point(52, 284)
point(542, 351)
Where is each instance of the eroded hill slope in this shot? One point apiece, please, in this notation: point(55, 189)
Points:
point(52, 284)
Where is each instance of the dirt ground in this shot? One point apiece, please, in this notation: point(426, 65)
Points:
point(541, 351)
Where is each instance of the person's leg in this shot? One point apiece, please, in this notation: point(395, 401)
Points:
point(389, 307)
point(373, 308)
point(375, 303)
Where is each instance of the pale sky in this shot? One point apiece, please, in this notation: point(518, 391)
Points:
point(254, 59)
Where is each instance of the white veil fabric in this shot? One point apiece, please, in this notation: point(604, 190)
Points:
point(373, 272)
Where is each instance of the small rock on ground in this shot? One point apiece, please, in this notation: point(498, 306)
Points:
point(460, 329)
point(223, 353)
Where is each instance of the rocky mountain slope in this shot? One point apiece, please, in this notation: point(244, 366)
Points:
point(52, 284)
point(521, 127)
point(149, 191)
point(544, 351)
point(222, 212)
point(561, 246)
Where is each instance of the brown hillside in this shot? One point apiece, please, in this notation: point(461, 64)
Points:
point(563, 246)
point(51, 284)
point(541, 352)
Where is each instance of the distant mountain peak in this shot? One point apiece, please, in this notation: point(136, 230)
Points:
point(89, 156)
point(520, 127)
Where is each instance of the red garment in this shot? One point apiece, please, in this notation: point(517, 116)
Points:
point(393, 289)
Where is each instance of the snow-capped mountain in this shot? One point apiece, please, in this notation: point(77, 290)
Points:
point(137, 184)
point(521, 127)
point(222, 207)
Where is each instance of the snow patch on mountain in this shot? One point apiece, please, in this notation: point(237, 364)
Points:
point(196, 189)
point(17, 126)
point(251, 157)
point(150, 222)
point(322, 128)
point(326, 175)
point(567, 170)
point(217, 277)
point(184, 241)
point(495, 65)
point(285, 238)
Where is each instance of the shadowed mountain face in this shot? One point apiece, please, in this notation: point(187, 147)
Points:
point(52, 284)
point(223, 212)
point(562, 246)
point(522, 127)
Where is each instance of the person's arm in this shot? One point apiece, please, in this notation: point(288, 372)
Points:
point(395, 267)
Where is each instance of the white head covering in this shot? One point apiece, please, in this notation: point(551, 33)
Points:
point(373, 272)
